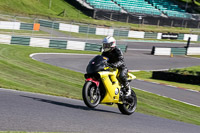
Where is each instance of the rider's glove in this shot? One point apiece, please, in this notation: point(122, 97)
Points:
point(113, 65)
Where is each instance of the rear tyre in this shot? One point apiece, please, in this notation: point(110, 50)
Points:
point(129, 106)
point(91, 94)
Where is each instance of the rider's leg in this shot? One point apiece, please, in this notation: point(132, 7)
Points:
point(123, 79)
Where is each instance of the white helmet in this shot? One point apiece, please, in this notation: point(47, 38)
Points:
point(109, 43)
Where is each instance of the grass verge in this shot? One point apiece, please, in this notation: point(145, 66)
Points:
point(144, 75)
point(18, 71)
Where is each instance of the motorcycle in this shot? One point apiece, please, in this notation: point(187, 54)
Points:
point(103, 87)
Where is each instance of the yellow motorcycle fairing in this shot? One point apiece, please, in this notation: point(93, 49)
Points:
point(130, 77)
point(112, 86)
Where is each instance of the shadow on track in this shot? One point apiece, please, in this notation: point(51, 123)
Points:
point(68, 105)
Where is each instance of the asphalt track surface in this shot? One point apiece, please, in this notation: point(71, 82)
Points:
point(22, 111)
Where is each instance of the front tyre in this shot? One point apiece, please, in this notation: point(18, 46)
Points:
point(91, 95)
point(129, 106)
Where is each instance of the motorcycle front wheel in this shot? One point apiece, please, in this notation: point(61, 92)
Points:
point(129, 106)
point(91, 94)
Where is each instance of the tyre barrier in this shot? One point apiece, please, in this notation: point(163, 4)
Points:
point(51, 43)
point(169, 76)
point(19, 26)
point(193, 51)
point(175, 51)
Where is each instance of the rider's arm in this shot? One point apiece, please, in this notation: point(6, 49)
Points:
point(120, 59)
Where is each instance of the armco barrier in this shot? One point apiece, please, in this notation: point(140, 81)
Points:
point(169, 51)
point(193, 51)
point(88, 30)
point(69, 28)
point(59, 44)
point(104, 31)
point(180, 36)
point(161, 51)
point(198, 38)
point(50, 43)
point(39, 42)
point(93, 47)
point(18, 26)
point(26, 26)
point(75, 45)
point(178, 51)
point(193, 37)
point(49, 24)
point(5, 39)
point(10, 25)
point(136, 34)
point(123, 33)
point(150, 35)
point(20, 40)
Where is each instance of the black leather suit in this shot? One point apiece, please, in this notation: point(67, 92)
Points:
point(116, 60)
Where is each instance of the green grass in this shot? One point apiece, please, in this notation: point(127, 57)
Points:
point(194, 70)
point(196, 56)
point(152, 104)
point(18, 71)
point(39, 8)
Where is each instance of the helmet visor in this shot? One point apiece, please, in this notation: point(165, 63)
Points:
point(107, 45)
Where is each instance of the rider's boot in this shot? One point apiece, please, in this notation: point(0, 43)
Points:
point(127, 89)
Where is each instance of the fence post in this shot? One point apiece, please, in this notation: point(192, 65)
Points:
point(158, 24)
point(111, 16)
point(94, 14)
point(186, 24)
point(127, 19)
point(172, 23)
point(142, 21)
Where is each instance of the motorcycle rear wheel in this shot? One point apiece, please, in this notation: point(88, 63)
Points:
point(129, 107)
point(91, 95)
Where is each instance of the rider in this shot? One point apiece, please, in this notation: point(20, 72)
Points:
point(116, 60)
